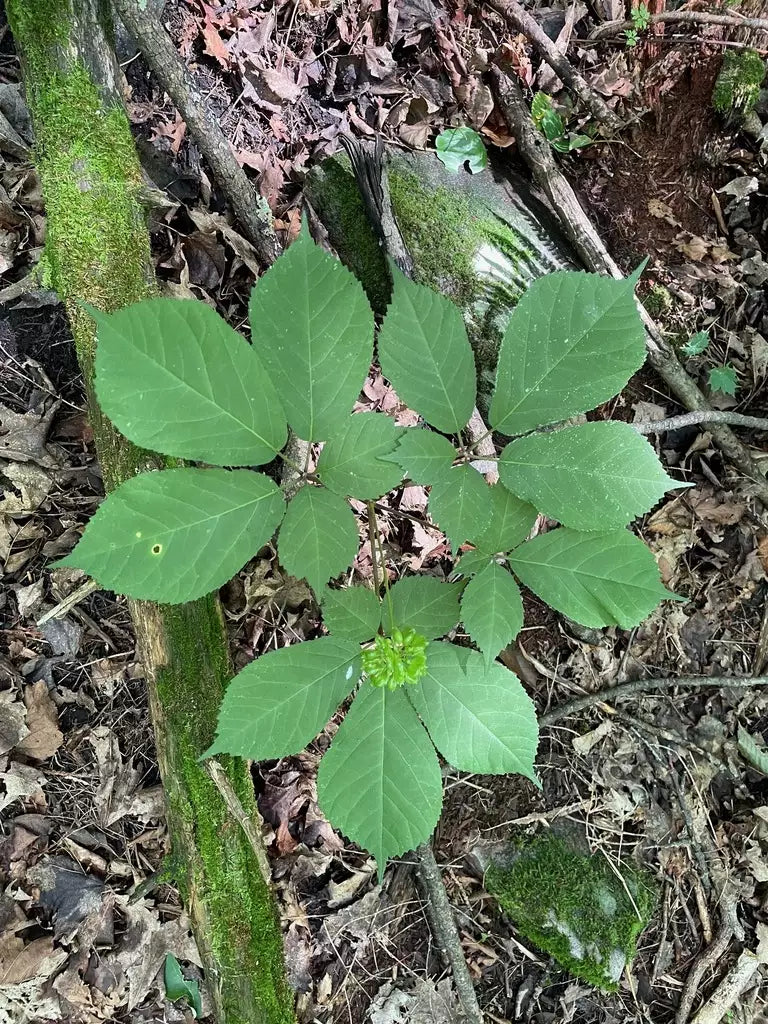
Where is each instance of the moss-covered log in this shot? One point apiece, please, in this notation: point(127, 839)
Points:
point(97, 250)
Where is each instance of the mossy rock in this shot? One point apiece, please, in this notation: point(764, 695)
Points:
point(480, 239)
point(737, 88)
point(574, 907)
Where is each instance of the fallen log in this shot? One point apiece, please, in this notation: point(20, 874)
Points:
point(97, 250)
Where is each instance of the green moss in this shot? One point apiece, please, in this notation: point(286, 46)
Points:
point(738, 85)
point(657, 301)
point(334, 192)
point(244, 929)
point(574, 907)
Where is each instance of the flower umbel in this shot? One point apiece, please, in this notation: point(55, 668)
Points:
point(397, 659)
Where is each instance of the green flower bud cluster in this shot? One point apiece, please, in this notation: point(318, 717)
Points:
point(397, 659)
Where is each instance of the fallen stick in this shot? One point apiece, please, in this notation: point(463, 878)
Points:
point(525, 23)
point(536, 152)
point(730, 989)
point(610, 28)
point(641, 687)
point(445, 932)
point(170, 71)
point(695, 419)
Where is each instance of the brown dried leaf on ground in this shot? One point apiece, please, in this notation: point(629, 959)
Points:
point(13, 722)
point(22, 781)
point(146, 942)
point(44, 737)
point(118, 779)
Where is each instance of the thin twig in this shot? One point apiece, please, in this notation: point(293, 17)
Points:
point(693, 419)
point(525, 23)
point(610, 28)
point(536, 152)
point(611, 694)
point(445, 931)
point(245, 821)
point(165, 63)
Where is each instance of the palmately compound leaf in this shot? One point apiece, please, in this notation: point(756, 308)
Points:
point(457, 146)
point(510, 521)
point(423, 455)
point(278, 704)
point(175, 378)
point(351, 463)
point(573, 341)
point(380, 782)
point(312, 328)
point(177, 534)
point(597, 476)
point(352, 612)
point(597, 579)
point(318, 538)
point(459, 504)
point(480, 719)
point(425, 604)
point(492, 610)
point(425, 352)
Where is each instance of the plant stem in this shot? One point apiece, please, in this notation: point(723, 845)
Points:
point(372, 540)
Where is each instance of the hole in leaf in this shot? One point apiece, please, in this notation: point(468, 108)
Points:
point(156, 549)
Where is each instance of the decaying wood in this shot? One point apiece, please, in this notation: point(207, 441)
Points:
point(169, 70)
point(537, 153)
point(730, 989)
point(98, 250)
point(527, 24)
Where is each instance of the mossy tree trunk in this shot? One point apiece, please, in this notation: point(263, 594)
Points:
point(97, 250)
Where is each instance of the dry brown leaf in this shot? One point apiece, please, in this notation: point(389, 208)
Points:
point(281, 84)
point(44, 737)
point(762, 552)
point(13, 726)
point(38, 959)
point(214, 45)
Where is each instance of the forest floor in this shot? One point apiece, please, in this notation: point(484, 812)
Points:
point(669, 783)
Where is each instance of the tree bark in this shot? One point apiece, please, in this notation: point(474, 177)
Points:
point(97, 249)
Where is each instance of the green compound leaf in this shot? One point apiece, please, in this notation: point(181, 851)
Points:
point(597, 579)
point(480, 719)
point(423, 455)
point(318, 538)
point(424, 330)
point(459, 504)
point(280, 702)
point(175, 378)
point(353, 613)
point(597, 476)
point(492, 610)
point(425, 604)
point(511, 520)
point(312, 328)
point(573, 341)
point(178, 987)
point(456, 146)
point(380, 782)
point(723, 378)
point(351, 463)
point(175, 535)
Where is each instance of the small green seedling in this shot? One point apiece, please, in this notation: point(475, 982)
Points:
point(551, 124)
point(720, 378)
point(459, 146)
point(178, 987)
point(641, 19)
point(176, 379)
